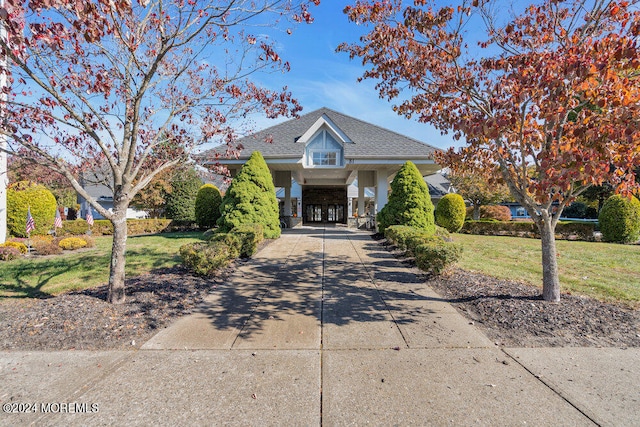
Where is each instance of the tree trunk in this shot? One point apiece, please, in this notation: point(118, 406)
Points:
point(118, 251)
point(476, 212)
point(550, 280)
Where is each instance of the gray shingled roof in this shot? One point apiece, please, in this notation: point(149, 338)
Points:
point(367, 140)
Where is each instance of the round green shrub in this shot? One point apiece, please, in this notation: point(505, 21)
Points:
point(207, 209)
point(251, 199)
point(619, 219)
point(450, 212)
point(409, 202)
point(24, 195)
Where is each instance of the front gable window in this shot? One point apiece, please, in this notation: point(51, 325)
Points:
point(324, 150)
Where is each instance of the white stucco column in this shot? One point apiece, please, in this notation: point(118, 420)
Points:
point(382, 190)
point(360, 199)
point(287, 200)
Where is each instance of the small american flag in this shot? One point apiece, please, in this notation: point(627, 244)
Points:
point(31, 224)
point(89, 217)
point(58, 222)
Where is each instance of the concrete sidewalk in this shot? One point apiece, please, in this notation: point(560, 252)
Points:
point(323, 327)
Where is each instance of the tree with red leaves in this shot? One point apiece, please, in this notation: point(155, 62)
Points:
point(551, 96)
point(129, 88)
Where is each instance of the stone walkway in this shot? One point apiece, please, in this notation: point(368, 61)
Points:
point(324, 327)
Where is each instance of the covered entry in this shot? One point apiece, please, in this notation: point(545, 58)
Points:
point(323, 153)
point(324, 204)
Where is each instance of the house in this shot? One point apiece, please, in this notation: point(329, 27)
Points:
point(316, 158)
point(96, 184)
point(439, 186)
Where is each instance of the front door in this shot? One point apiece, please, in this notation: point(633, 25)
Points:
point(335, 213)
point(314, 213)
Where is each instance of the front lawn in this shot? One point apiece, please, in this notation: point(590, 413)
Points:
point(606, 271)
point(73, 270)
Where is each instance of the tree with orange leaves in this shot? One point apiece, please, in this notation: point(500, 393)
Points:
point(552, 99)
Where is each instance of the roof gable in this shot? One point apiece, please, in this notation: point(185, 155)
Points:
point(364, 140)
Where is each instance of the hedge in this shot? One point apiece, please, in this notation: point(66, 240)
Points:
point(568, 230)
point(103, 227)
point(433, 253)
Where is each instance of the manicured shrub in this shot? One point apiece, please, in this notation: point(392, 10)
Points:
point(399, 234)
point(437, 256)
point(443, 233)
point(409, 202)
point(7, 253)
point(44, 247)
point(24, 195)
point(251, 199)
point(620, 219)
point(21, 247)
point(207, 208)
point(205, 258)
point(181, 201)
point(497, 212)
point(230, 239)
point(250, 235)
point(72, 243)
point(450, 212)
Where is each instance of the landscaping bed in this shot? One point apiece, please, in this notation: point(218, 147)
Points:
point(85, 321)
point(512, 313)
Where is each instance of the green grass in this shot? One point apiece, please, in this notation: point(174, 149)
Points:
point(75, 270)
point(606, 271)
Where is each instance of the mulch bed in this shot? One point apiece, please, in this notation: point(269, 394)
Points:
point(509, 312)
point(513, 314)
point(86, 321)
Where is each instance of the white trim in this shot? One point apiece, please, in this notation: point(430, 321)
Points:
point(324, 120)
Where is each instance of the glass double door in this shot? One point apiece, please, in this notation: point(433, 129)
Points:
point(325, 213)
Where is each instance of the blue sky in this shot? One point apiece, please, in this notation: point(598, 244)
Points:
point(320, 77)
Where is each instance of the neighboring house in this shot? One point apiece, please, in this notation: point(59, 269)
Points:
point(324, 153)
point(94, 183)
point(517, 211)
point(439, 186)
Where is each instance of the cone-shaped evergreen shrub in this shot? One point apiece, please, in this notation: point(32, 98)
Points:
point(251, 198)
point(409, 202)
point(181, 202)
point(208, 206)
point(450, 212)
point(619, 219)
point(24, 195)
